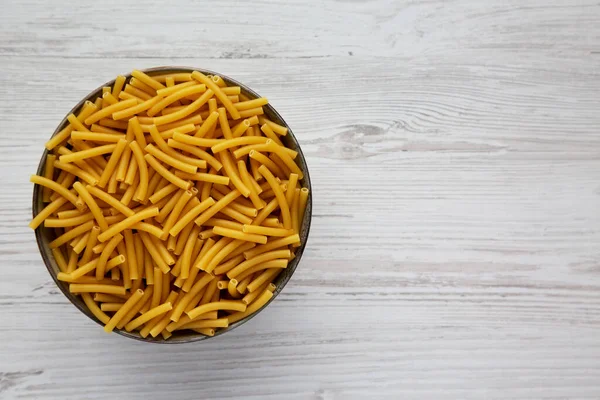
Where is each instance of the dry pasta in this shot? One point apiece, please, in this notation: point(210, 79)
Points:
point(174, 204)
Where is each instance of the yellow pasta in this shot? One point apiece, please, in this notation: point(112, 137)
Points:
point(224, 223)
point(204, 177)
point(112, 162)
point(47, 212)
point(233, 213)
point(88, 109)
point(194, 106)
point(103, 129)
point(207, 323)
point(128, 112)
point(80, 246)
point(292, 182)
point(127, 222)
point(106, 306)
point(106, 252)
point(249, 182)
point(48, 174)
point(194, 290)
point(168, 206)
point(263, 230)
point(137, 308)
point(224, 123)
point(93, 307)
point(267, 162)
point(127, 94)
point(162, 250)
point(40, 180)
point(73, 233)
point(132, 90)
point(143, 168)
point(172, 298)
point(90, 178)
point(89, 166)
point(154, 84)
point(173, 97)
point(207, 125)
point(284, 156)
point(187, 252)
point(135, 297)
point(236, 289)
point(190, 215)
point(283, 206)
point(146, 256)
point(294, 211)
point(174, 214)
point(91, 204)
point(68, 222)
point(251, 112)
point(59, 257)
point(195, 141)
point(181, 128)
point(96, 137)
point(272, 222)
point(211, 85)
point(240, 141)
point(168, 175)
point(188, 163)
point(218, 206)
point(228, 264)
point(170, 90)
point(107, 198)
point(201, 154)
point(169, 160)
point(96, 288)
point(179, 125)
point(200, 249)
point(147, 316)
point(214, 306)
point(118, 86)
point(142, 87)
point(91, 242)
point(222, 254)
point(302, 200)
point(203, 261)
point(268, 256)
point(162, 193)
point(248, 237)
point(254, 306)
point(278, 129)
point(264, 277)
point(268, 132)
point(272, 245)
point(105, 112)
point(154, 253)
point(247, 105)
point(239, 129)
point(132, 172)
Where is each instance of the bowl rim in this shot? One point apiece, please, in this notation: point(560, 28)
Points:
point(304, 230)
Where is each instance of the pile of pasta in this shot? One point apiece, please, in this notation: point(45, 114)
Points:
point(175, 204)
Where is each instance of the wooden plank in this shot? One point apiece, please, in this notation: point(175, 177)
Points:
point(282, 29)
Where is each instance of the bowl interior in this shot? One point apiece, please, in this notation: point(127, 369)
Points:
point(44, 235)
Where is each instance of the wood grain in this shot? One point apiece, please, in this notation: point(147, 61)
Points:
point(454, 154)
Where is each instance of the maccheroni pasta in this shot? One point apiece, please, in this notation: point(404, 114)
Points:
point(175, 205)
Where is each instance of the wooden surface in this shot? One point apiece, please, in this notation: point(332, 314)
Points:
point(454, 149)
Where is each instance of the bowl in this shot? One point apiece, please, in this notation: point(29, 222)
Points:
point(44, 236)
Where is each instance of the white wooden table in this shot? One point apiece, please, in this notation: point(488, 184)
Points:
point(454, 148)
